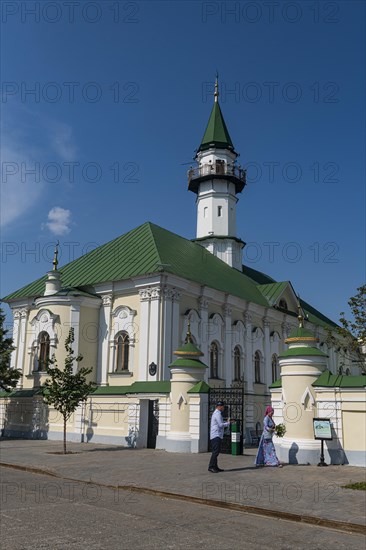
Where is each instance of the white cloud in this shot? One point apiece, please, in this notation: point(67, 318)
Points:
point(59, 221)
point(19, 189)
point(32, 141)
point(62, 141)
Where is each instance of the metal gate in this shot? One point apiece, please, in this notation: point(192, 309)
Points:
point(153, 424)
point(234, 409)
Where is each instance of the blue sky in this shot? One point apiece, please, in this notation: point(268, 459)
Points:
point(122, 92)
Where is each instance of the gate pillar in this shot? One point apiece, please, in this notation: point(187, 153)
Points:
point(186, 371)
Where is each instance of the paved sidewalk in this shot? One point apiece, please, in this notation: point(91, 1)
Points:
point(306, 491)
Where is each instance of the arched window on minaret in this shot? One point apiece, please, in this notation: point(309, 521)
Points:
point(43, 350)
point(122, 341)
point(214, 360)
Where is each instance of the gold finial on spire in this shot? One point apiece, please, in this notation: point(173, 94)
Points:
point(216, 94)
point(189, 334)
point(55, 260)
point(300, 316)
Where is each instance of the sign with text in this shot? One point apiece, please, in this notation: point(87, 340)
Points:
point(322, 428)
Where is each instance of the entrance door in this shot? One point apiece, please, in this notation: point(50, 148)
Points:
point(234, 409)
point(153, 423)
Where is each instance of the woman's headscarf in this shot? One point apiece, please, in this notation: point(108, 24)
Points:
point(269, 410)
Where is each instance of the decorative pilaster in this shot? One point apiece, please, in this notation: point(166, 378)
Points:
point(267, 353)
point(286, 328)
point(228, 362)
point(150, 330)
point(203, 312)
point(175, 322)
point(144, 333)
point(16, 336)
point(248, 372)
point(167, 336)
point(22, 338)
point(154, 336)
point(104, 331)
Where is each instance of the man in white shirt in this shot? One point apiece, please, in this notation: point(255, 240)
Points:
point(216, 436)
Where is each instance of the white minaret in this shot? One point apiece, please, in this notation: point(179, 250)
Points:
point(216, 180)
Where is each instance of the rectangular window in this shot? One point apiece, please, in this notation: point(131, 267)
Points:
point(219, 211)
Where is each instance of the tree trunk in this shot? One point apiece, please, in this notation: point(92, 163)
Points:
point(64, 435)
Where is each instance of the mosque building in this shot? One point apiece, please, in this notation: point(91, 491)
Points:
point(149, 295)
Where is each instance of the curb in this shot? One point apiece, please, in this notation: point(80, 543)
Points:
point(277, 514)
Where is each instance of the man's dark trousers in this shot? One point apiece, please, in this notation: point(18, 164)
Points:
point(216, 448)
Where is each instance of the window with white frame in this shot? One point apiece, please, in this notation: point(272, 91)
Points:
point(122, 342)
point(214, 360)
point(237, 363)
point(257, 367)
point(43, 351)
point(274, 367)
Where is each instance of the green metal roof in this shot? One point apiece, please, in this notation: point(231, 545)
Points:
point(301, 332)
point(71, 291)
point(150, 387)
point(327, 379)
point(150, 249)
point(312, 314)
point(273, 291)
point(216, 133)
point(276, 384)
point(21, 393)
point(188, 349)
point(112, 390)
point(136, 387)
point(189, 363)
point(257, 276)
point(200, 387)
point(300, 351)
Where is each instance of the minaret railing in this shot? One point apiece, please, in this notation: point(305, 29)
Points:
point(208, 169)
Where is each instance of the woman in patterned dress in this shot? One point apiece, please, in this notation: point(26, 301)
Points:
point(266, 455)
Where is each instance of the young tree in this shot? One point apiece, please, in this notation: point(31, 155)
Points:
point(353, 332)
point(64, 389)
point(8, 377)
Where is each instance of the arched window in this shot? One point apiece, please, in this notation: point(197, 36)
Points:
point(274, 367)
point(214, 360)
point(237, 365)
point(43, 350)
point(122, 351)
point(257, 367)
point(283, 304)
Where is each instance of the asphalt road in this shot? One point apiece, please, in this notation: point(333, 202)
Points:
point(41, 512)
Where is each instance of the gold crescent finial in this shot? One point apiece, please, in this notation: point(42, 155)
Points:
point(216, 94)
point(55, 260)
point(300, 316)
point(189, 334)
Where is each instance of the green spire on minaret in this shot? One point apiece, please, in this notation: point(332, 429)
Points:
point(216, 133)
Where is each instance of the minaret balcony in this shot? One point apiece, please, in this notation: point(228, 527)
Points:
point(220, 170)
